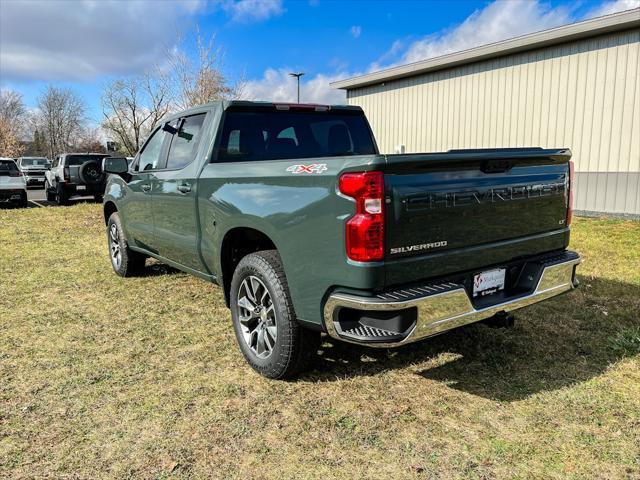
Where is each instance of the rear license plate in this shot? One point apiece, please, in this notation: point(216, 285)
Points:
point(81, 188)
point(488, 282)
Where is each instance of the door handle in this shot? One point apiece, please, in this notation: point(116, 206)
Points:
point(184, 188)
point(145, 188)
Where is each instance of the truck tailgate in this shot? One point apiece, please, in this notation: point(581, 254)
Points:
point(460, 210)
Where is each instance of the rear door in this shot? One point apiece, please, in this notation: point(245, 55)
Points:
point(137, 207)
point(174, 194)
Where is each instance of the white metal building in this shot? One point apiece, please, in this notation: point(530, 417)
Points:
point(576, 86)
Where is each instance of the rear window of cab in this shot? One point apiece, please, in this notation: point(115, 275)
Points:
point(274, 135)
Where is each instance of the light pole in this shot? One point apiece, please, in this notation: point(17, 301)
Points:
point(297, 75)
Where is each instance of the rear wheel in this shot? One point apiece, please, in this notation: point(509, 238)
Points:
point(270, 337)
point(124, 261)
point(61, 196)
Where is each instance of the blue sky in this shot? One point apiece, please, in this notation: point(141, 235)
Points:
point(83, 44)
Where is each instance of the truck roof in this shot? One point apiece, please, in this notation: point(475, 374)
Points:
point(226, 104)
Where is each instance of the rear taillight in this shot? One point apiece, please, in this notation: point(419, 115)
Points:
point(15, 173)
point(570, 199)
point(365, 230)
point(66, 174)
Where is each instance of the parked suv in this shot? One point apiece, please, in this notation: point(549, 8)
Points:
point(75, 174)
point(33, 169)
point(13, 188)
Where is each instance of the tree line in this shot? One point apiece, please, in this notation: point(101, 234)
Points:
point(131, 106)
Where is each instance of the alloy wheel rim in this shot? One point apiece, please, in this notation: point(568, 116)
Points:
point(114, 246)
point(257, 317)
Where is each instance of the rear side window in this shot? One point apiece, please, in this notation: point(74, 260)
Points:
point(7, 167)
point(185, 141)
point(271, 135)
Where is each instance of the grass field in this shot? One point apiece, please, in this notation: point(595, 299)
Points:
point(103, 377)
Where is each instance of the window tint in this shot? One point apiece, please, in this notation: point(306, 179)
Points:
point(268, 135)
point(34, 162)
point(80, 159)
point(184, 141)
point(7, 166)
point(150, 155)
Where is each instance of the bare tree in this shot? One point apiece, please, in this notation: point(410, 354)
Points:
point(12, 120)
point(59, 118)
point(199, 79)
point(132, 108)
point(10, 145)
point(89, 141)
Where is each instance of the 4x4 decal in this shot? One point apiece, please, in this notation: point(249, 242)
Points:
point(312, 168)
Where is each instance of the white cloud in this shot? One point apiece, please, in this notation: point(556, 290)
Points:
point(276, 85)
point(83, 40)
point(497, 21)
point(252, 10)
point(355, 31)
point(607, 8)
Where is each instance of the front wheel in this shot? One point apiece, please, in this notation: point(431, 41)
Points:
point(124, 261)
point(24, 201)
point(271, 339)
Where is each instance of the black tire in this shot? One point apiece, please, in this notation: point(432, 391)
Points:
point(47, 191)
point(61, 196)
point(294, 347)
point(130, 263)
point(98, 198)
point(24, 201)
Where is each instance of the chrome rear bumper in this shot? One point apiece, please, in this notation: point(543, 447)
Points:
point(443, 306)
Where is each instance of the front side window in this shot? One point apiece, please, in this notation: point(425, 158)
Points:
point(150, 155)
point(271, 135)
point(185, 141)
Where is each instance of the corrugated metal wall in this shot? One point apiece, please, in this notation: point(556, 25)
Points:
point(584, 95)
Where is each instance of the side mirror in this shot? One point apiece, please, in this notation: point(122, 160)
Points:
point(117, 165)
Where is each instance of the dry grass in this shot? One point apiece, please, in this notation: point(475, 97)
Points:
point(105, 377)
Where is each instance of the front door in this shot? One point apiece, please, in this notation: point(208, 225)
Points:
point(174, 195)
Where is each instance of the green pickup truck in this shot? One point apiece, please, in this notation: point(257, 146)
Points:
point(308, 229)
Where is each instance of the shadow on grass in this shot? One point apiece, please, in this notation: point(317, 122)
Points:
point(154, 268)
point(554, 344)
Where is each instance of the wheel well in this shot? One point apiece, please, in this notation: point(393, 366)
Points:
point(238, 243)
point(109, 208)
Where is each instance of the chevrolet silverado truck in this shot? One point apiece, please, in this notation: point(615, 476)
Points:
point(307, 228)
point(75, 174)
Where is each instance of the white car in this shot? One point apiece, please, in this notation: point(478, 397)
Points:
point(13, 188)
